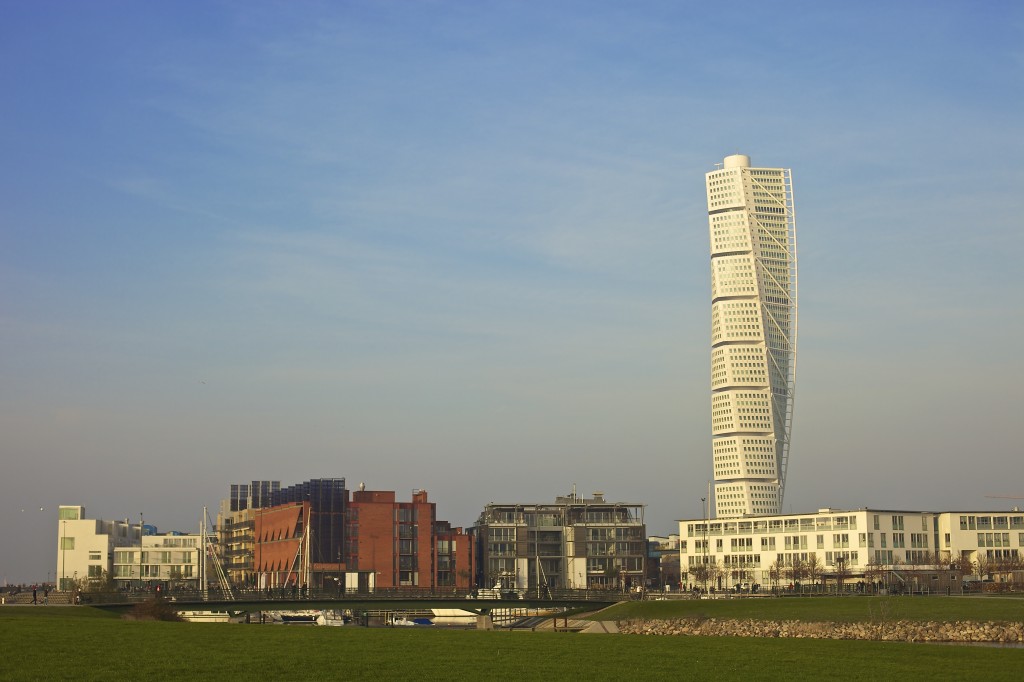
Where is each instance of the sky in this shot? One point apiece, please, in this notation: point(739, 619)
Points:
point(463, 247)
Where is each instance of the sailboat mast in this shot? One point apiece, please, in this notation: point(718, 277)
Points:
point(202, 557)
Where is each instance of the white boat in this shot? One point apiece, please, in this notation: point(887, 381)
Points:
point(331, 618)
point(400, 620)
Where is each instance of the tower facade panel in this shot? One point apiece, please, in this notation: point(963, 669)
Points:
point(753, 333)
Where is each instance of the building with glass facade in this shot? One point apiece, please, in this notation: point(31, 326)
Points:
point(573, 543)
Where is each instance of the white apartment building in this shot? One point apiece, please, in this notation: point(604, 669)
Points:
point(172, 558)
point(85, 547)
point(753, 333)
point(92, 551)
point(856, 544)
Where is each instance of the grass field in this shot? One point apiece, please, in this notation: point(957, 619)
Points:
point(69, 643)
point(834, 609)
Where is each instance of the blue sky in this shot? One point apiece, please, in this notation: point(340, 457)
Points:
point(463, 247)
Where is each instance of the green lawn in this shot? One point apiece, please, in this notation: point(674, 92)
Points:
point(86, 644)
point(835, 609)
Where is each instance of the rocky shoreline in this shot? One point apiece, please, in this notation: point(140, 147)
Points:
point(896, 631)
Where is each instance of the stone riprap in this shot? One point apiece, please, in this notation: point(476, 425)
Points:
point(898, 630)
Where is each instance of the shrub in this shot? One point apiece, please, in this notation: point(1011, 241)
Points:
point(155, 609)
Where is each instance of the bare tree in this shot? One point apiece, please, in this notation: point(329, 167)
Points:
point(715, 571)
point(983, 566)
point(873, 572)
point(964, 565)
point(842, 572)
point(700, 573)
point(776, 572)
point(1003, 568)
point(797, 571)
point(815, 569)
point(939, 560)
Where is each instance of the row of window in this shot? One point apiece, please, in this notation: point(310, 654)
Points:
point(991, 522)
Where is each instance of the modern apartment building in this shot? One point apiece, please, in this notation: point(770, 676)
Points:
point(857, 545)
point(321, 540)
point(574, 543)
point(85, 547)
point(404, 545)
point(169, 560)
point(236, 524)
point(753, 333)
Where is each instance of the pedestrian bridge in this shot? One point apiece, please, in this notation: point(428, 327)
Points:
point(252, 600)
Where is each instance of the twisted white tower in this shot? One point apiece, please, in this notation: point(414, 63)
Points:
point(753, 334)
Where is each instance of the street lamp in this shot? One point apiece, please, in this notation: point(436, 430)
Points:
point(141, 524)
point(704, 510)
point(63, 554)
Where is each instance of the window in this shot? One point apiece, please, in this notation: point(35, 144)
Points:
point(897, 523)
point(502, 534)
point(68, 514)
point(67, 543)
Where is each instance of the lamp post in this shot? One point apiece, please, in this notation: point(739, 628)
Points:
point(141, 525)
point(704, 510)
point(63, 554)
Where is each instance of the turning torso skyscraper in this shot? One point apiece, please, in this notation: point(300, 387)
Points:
point(753, 333)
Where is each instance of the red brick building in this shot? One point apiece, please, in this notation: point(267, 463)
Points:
point(382, 544)
point(404, 545)
point(279, 531)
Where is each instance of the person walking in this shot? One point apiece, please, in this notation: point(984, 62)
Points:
point(34, 595)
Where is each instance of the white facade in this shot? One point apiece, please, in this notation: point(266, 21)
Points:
point(171, 558)
point(856, 543)
point(85, 547)
point(985, 539)
point(753, 333)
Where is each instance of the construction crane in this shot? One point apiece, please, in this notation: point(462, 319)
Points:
point(1006, 497)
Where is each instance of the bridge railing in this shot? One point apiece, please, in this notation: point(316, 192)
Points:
point(382, 594)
